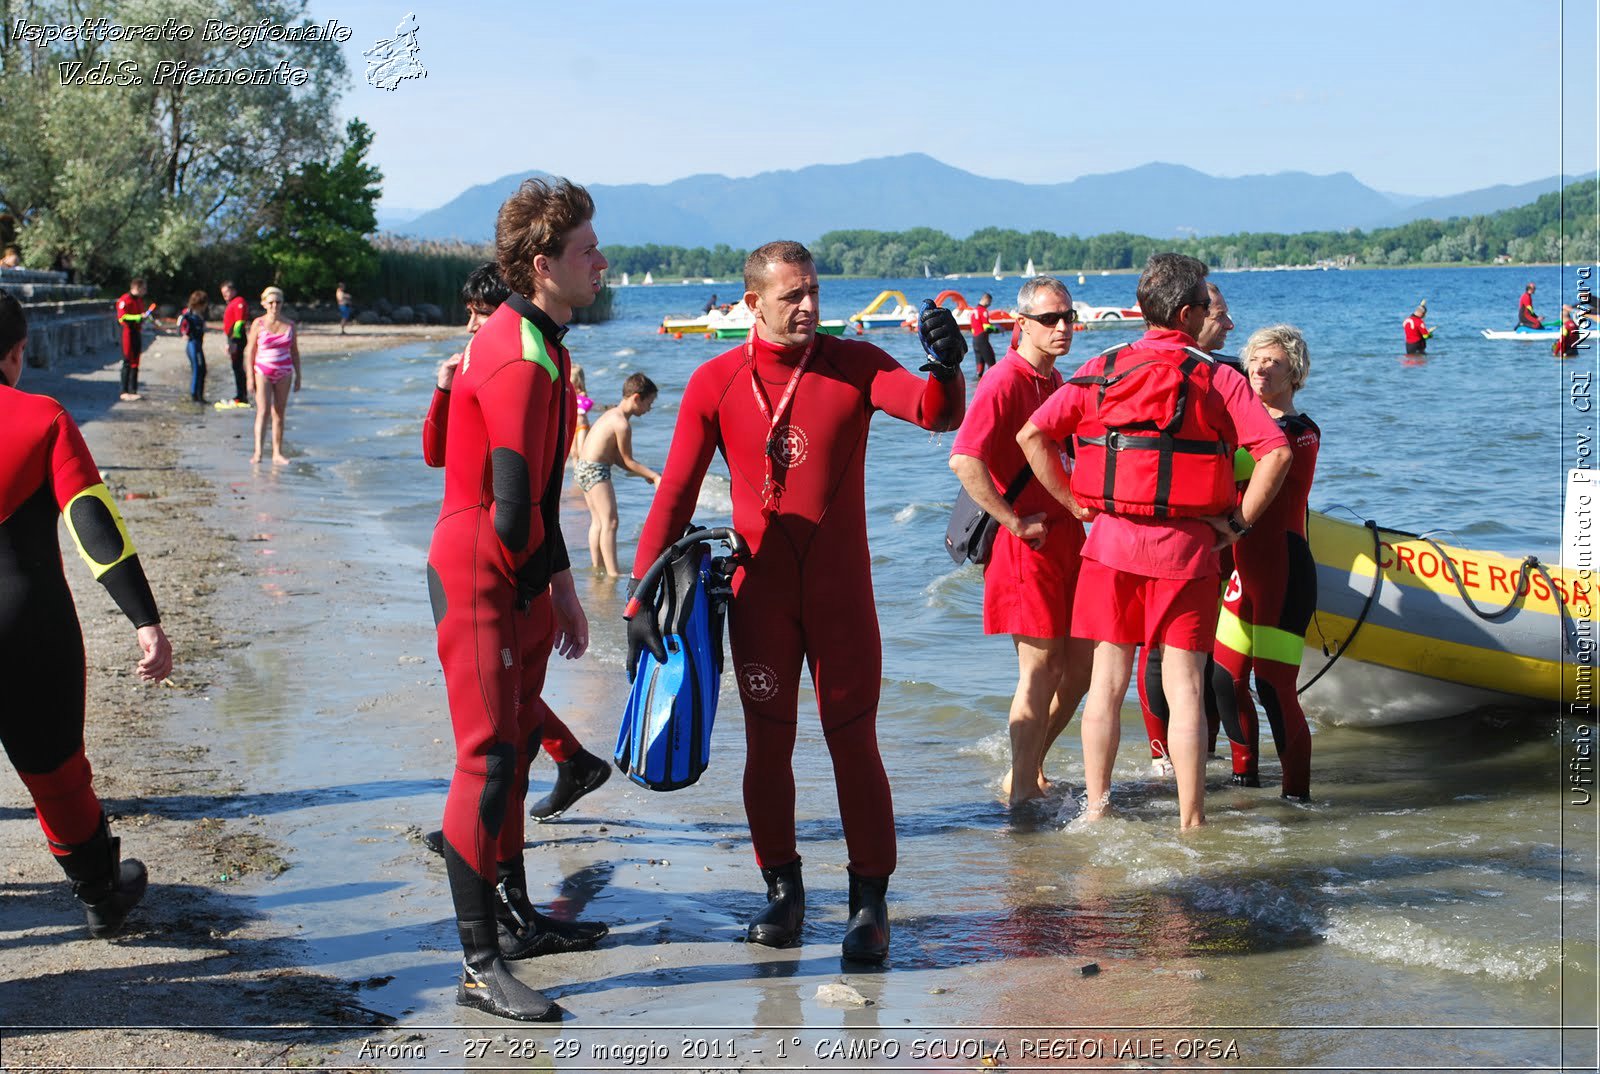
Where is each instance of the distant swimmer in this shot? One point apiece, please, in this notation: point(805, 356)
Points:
point(50, 476)
point(1416, 329)
point(1526, 318)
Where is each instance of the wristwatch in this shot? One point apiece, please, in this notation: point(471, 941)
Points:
point(1236, 524)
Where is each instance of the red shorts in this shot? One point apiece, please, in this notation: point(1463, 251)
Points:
point(1131, 609)
point(1028, 592)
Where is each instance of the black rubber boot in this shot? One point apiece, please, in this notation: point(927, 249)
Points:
point(1245, 779)
point(525, 932)
point(778, 925)
point(107, 886)
point(487, 983)
point(574, 779)
point(434, 841)
point(866, 938)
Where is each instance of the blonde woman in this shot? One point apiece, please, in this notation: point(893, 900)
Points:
point(272, 364)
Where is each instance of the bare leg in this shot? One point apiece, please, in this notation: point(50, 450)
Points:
point(595, 529)
point(603, 513)
point(280, 404)
point(263, 404)
point(1040, 663)
point(1101, 726)
point(1182, 680)
point(1073, 685)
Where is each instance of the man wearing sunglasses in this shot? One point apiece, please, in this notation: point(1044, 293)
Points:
point(1033, 568)
point(1163, 505)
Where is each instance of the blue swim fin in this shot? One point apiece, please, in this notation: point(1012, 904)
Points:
point(676, 617)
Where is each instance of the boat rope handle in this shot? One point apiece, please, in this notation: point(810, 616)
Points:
point(1518, 592)
point(1377, 580)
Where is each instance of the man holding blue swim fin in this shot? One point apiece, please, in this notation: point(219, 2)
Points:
point(795, 447)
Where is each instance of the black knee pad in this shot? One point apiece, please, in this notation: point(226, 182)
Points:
point(500, 774)
point(436, 596)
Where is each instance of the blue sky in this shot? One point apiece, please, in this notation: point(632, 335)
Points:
point(1416, 98)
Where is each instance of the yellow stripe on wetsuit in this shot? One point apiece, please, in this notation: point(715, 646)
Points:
point(1250, 639)
point(97, 529)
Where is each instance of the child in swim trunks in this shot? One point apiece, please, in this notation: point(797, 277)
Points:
point(610, 443)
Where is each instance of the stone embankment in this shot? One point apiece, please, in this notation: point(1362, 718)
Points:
point(64, 318)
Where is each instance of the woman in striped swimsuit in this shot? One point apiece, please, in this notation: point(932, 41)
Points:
point(272, 360)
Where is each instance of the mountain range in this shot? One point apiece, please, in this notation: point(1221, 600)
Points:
point(915, 190)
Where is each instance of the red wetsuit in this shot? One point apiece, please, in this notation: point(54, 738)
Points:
point(805, 591)
point(131, 313)
point(235, 323)
point(982, 349)
point(495, 547)
point(1417, 333)
point(1571, 336)
point(554, 736)
point(1525, 315)
point(1266, 608)
point(49, 473)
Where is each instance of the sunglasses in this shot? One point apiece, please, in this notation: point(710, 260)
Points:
point(1050, 320)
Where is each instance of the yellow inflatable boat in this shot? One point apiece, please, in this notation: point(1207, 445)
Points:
point(1417, 629)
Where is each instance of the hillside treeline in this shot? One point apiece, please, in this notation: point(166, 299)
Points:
point(1532, 232)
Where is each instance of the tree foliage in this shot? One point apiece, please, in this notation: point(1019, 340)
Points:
point(131, 177)
point(321, 219)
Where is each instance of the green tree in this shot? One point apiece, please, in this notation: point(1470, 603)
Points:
point(133, 176)
point(322, 217)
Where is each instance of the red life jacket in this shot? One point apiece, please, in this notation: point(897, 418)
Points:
point(1145, 446)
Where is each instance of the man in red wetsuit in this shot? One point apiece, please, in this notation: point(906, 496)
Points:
point(1033, 569)
point(131, 315)
point(1416, 330)
point(1272, 589)
point(982, 349)
point(500, 583)
point(235, 326)
point(1571, 335)
point(1150, 565)
point(789, 410)
point(1526, 318)
point(577, 770)
point(49, 476)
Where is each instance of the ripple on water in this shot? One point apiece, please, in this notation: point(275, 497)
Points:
point(1398, 938)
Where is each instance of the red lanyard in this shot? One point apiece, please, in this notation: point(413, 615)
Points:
point(772, 489)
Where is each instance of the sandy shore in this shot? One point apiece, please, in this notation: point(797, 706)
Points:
point(194, 952)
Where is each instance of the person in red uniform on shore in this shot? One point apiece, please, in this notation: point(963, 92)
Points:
point(982, 349)
point(50, 475)
point(1033, 569)
point(1416, 330)
point(577, 770)
point(131, 315)
point(789, 410)
point(1526, 318)
point(1162, 506)
point(501, 587)
point(1272, 590)
point(1152, 701)
point(235, 325)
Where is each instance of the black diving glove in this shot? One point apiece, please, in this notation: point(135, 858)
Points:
point(643, 630)
point(942, 338)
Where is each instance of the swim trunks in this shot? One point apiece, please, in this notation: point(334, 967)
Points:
point(590, 474)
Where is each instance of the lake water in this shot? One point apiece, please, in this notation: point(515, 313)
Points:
point(1433, 908)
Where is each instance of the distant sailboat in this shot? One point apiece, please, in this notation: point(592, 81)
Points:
point(927, 273)
point(624, 279)
point(997, 268)
point(647, 280)
point(1028, 271)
